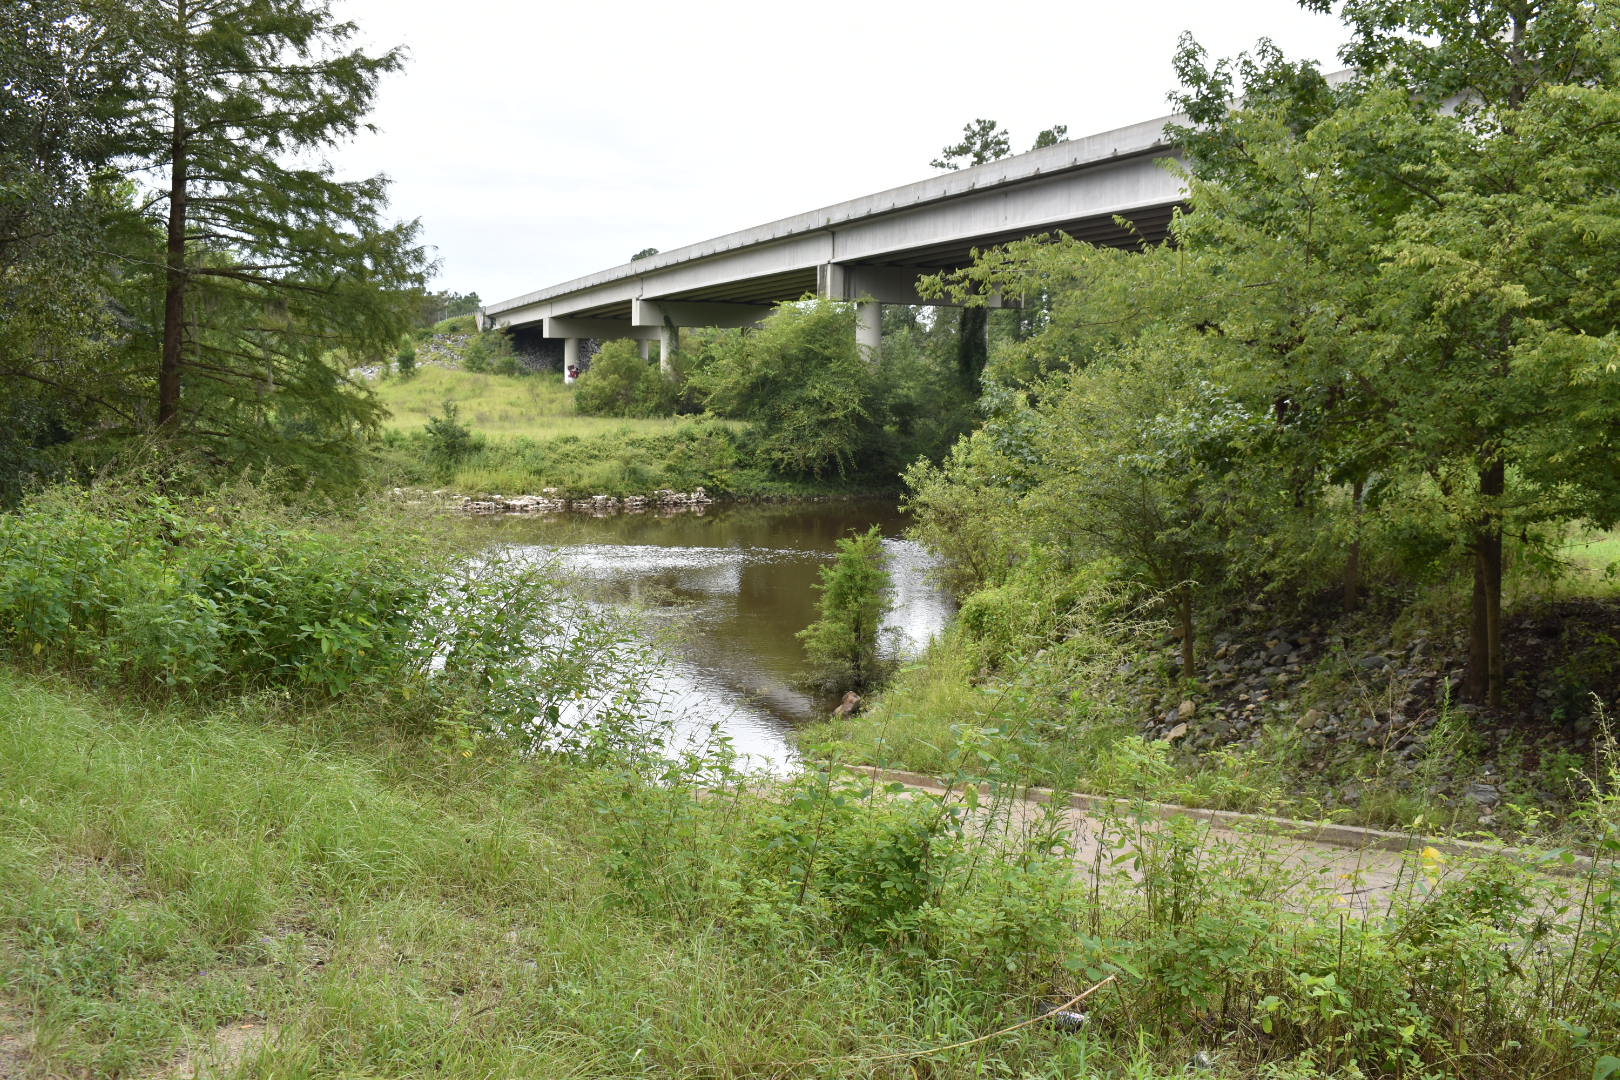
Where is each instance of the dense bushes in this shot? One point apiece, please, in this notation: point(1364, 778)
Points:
point(802, 384)
point(620, 383)
point(150, 592)
point(491, 351)
point(816, 406)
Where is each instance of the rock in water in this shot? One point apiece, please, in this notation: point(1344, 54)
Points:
point(849, 706)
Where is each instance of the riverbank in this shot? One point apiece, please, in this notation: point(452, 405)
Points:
point(1357, 719)
point(321, 797)
point(484, 434)
point(240, 889)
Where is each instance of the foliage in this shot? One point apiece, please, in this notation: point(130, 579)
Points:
point(449, 441)
point(491, 352)
point(817, 923)
point(159, 594)
point(266, 266)
point(435, 307)
point(1437, 320)
point(61, 225)
point(801, 382)
point(1377, 342)
point(853, 596)
point(620, 383)
point(405, 359)
point(176, 254)
point(982, 141)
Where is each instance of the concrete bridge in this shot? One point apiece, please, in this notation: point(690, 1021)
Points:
point(869, 250)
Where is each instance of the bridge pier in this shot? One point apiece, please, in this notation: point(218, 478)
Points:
point(869, 329)
point(570, 353)
point(667, 337)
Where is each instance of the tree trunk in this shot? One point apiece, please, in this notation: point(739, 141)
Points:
point(1352, 559)
point(1486, 668)
point(1184, 607)
point(174, 295)
point(972, 347)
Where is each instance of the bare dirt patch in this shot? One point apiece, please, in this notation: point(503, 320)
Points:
point(15, 1042)
point(223, 1050)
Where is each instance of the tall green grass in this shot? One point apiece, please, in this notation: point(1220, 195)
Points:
point(375, 907)
point(535, 406)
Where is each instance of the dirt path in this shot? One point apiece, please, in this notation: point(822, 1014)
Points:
point(1361, 869)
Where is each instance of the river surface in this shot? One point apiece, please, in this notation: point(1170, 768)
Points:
point(724, 592)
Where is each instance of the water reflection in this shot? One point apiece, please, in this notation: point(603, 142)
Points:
point(729, 589)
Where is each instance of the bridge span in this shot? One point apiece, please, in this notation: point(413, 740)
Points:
point(870, 250)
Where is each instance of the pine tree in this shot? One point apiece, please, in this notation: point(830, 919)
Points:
point(271, 264)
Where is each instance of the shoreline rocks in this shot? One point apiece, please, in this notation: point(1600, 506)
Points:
point(552, 501)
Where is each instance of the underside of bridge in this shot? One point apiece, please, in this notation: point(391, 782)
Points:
point(869, 250)
point(1149, 226)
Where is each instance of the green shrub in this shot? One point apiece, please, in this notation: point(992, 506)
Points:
point(620, 383)
point(405, 359)
point(491, 351)
point(854, 593)
point(449, 440)
point(802, 382)
point(158, 593)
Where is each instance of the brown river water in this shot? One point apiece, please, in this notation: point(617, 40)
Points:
point(725, 591)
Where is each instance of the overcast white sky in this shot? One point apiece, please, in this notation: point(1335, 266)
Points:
point(539, 142)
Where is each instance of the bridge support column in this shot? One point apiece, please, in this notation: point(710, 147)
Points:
point(570, 353)
point(869, 329)
point(646, 349)
point(667, 336)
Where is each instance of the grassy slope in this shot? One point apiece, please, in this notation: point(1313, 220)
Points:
point(172, 882)
point(532, 440)
point(504, 406)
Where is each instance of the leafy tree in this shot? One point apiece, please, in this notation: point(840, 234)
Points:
point(269, 262)
point(982, 141)
point(643, 253)
point(854, 593)
point(1402, 282)
point(58, 209)
point(435, 307)
point(1450, 211)
point(1132, 451)
point(620, 383)
point(1051, 136)
point(802, 383)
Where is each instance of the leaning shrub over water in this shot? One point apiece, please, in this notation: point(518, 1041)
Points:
point(156, 593)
